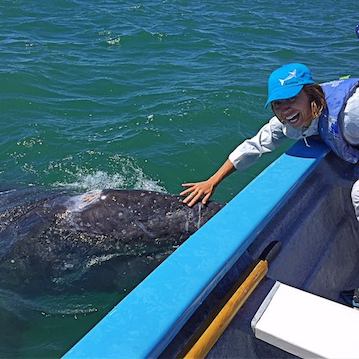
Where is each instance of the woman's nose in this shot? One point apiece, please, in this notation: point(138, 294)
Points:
point(282, 106)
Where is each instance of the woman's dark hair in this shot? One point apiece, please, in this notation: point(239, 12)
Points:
point(316, 98)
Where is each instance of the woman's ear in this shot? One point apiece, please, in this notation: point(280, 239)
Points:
point(316, 110)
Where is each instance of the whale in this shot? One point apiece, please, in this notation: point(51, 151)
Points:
point(110, 239)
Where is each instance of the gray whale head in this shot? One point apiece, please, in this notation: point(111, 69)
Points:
point(98, 240)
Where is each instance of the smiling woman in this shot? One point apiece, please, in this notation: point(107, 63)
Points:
point(299, 111)
point(294, 97)
point(296, 111)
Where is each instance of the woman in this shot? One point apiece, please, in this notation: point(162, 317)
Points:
point(302, 108)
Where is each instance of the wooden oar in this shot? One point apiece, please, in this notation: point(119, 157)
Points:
point(215, 329)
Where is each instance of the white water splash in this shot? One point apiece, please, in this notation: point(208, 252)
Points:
point(133, 179)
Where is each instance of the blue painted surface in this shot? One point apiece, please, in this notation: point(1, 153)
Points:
point(145, 322)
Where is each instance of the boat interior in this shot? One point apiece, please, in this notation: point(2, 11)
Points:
point(319, 236)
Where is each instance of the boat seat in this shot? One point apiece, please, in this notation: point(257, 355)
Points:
point(307, 325)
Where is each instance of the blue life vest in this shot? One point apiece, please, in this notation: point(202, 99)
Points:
point(337, 94)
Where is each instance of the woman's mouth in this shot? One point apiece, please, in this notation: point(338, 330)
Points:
point(292, 119)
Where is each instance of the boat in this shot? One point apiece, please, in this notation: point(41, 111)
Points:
point(297, 308)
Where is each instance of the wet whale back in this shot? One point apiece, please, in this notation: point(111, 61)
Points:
point(56, 241)
point(131, 215)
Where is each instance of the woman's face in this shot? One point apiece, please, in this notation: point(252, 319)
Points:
point(295, 111)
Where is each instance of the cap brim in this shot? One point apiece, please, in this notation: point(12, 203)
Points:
point(284, 93)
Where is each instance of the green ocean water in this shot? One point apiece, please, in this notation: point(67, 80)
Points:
point(151, 94)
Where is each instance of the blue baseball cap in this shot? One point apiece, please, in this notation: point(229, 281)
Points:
point(287, 81)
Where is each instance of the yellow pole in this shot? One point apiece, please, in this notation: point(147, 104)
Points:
point(210, 336)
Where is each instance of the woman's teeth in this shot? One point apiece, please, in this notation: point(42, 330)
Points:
point(293, 118)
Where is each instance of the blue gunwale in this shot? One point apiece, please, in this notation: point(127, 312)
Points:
point(146, 321)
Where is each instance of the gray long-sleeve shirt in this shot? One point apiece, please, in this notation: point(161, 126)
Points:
point(273, 133)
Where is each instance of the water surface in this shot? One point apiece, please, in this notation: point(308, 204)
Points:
point(144, 94)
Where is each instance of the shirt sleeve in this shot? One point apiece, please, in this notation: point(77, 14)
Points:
point(268, 138)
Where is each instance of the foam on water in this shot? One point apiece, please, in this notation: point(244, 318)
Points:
point(123, 173)
point(100, 180)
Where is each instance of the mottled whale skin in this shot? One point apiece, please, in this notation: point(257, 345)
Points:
point(97, 240)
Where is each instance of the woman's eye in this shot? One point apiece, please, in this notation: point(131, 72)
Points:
point(283, 102)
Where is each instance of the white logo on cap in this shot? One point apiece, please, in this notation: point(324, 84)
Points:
point(292, 75)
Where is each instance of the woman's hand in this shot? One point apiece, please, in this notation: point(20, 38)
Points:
point(202, 191)
point(199, 191)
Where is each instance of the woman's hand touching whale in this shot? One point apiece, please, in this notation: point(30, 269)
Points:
point(202, 191)
point(197, 191)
